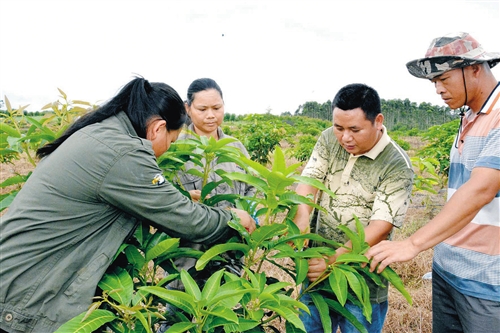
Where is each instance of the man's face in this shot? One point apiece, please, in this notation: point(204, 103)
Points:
point(354, 132)
point(450, 85)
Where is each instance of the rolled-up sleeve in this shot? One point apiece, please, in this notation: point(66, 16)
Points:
point(130, 186)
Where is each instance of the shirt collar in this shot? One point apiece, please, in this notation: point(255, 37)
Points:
point(124, 119)
point(491, 101)
point(379, 146)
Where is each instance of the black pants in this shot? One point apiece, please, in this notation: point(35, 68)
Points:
point(454, 312)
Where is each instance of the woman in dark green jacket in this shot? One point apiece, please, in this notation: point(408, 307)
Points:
point(94, 185)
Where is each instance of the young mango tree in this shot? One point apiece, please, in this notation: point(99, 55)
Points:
point(21, 134)
point(133, 296)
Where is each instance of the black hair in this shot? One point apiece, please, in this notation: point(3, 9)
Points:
point(141, 101)
point(201, 85)
point(358, 95)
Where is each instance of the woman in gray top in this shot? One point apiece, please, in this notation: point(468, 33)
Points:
point(94, 185)
point(205, 108)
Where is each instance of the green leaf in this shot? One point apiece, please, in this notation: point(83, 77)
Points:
point(6, 201)
point(355, 241)
point(245, 324)
point(134, 256)
point(218, 249)
point(177, 298)
point(9, 130)
point(301, 269)
point(162, 247)
point(278, 183)
point(324, 313)
point(144, 322)
point(346, 314)
point(259, 168)
point(355, 282)
point(350, 258)
point(279, 163)
point(315, 183)
point(225, 313)
point(95, 320)
point(275, 287)
point(289, 315)
point(45, 129)
point(14, 180)
point(361, 232)
point(396, 281)
point(181, 327)
point(256, 182)
point(226, 294)
point(212, 285)
point(267, 232)
point(338, 283)
point(190, 285)
point(119, 285)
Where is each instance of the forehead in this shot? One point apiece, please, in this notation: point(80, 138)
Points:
point(446, 74)
point(348, 113)
point(208, 95)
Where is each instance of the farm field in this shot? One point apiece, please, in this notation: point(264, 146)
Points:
point(401, 317)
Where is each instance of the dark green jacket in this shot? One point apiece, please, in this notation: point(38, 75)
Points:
point(79, 205)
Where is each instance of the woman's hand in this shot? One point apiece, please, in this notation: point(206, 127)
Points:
point(245, 219)
point(195, 195)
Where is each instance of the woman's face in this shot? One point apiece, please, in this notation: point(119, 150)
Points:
point(206, 112)
point(160, 137)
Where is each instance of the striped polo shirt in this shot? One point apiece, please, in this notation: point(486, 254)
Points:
point(470, 259)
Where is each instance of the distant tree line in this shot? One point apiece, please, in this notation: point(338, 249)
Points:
point(28, 113)
point(398, 114)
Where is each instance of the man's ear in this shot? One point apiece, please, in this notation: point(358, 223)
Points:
point(379, 120)
point(155, 128)
point(478, 68)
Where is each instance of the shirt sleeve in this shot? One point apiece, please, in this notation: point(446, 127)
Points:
point(317, 166)
point(135, 185)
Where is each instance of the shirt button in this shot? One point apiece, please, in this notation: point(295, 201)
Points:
point(9, 317)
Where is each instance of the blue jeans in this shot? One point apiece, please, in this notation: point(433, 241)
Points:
point(313, 324)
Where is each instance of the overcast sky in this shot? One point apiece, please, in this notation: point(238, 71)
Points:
point(265, 54)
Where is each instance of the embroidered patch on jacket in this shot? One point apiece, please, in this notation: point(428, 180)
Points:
point(158, 179)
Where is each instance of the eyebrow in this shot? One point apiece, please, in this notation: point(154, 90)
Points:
point(351, 127)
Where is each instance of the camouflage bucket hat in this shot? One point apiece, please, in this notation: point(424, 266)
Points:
point(450, 52)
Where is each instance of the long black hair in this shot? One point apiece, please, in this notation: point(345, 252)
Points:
point(141, 101)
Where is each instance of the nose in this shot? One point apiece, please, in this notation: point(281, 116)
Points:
point(210, 113)
point(346, 136)
point(439, 87)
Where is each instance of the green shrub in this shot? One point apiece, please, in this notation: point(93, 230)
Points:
point(439, 142)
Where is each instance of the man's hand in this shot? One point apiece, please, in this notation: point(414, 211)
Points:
point(387, 252)
point(317, 266)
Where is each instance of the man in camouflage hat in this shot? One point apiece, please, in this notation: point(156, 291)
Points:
point(466, 233)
